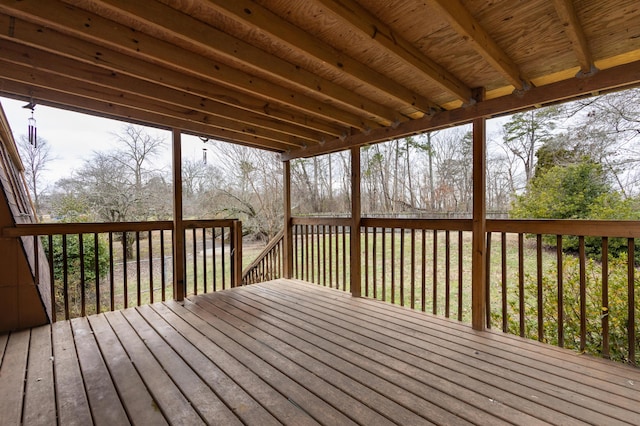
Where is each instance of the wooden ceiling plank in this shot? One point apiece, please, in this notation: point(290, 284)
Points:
point(468, 27)
point(101, 34)
point(192, 31)
point(253, 14)
point(575, 33)
point(42, 79)
point(361, 19)
point(616, 78)
point(89, 74)
point(56, 99)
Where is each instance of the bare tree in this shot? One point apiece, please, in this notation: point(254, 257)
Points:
point(35, 158)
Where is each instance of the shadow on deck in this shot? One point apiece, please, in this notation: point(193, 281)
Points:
point(295, 353)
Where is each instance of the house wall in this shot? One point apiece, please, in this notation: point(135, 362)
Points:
point(20, 303)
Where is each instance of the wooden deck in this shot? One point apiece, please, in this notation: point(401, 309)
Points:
point(294, 353)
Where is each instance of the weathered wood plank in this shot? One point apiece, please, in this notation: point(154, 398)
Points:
point(200, 396)
point(588, 402)
point(317, 354)
point(312, 395)
point(103, 399)
point(238, 400)
point(370, 354)
point(198, 333)
point(173, 404)
point(73, 408)
point(39, 398)
point(366, 405)
point(137, 401)
point(12, 374)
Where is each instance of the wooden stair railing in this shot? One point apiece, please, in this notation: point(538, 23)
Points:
point(269, 263)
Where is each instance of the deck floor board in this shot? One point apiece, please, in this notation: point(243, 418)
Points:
point(289, 352)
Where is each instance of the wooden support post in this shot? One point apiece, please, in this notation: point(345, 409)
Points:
point(178, 228)
point(478, 256)
point(236, 279)
point(287, 258)
point(355, 223)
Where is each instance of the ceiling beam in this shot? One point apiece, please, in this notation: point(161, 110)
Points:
point(168, 23)
point(54, 88)
point(616, 78)
point(254, 15)
point(470, 29)
point(362, 20)
point(55, 99)
point(157, 56)
point(190, 104)
point(575, 33)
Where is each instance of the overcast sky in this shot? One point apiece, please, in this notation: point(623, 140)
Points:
point(73, 137)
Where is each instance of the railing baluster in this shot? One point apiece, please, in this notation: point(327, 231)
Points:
point(344, 258)
point(460, 280)
point(631, 302)
point(423, 293)
point(52, 281)
point(82, 276)
point(194, 246)
point(583, 294)
point(521, 282)
point(413, 268)
point(605, 297)
point(213, 260)
point(503, 260)
point(112, 298)
point(487, 294)
point(435, 273)
point(222, 259)
point(393, 265)
point(366, 261)
point(560, 291)
point(65, 276)
point(96, 264)
point(539, 288)
point(374, 262)
point(384, 264)
point(138, 271)
point(324, 256)
point(162, 272)
point(150, 238)
point(204, 259)
point(124, 270)
point(447, 272)
point(402, 267)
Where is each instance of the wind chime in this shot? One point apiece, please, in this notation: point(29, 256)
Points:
point(32, 131)
point(204, 149)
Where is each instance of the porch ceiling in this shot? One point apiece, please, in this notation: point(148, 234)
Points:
point(306, 77)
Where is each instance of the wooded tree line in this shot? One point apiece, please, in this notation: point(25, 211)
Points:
point(530, 157)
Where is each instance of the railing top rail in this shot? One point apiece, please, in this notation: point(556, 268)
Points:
point(22, 230)
point(435, 224)
point(578, 227)
point(330, 221)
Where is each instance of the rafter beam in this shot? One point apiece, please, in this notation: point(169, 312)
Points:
point(253, 14)
point(616, 78)
point(101, 102)
point(468, 27)
point(86, 74)
point(97, 37)
point(361, 19)
point(575, 33)
point(167, 22)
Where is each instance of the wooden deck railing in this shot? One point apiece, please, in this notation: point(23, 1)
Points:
point(134, 263)
point(268, 265)
point(571, 283)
